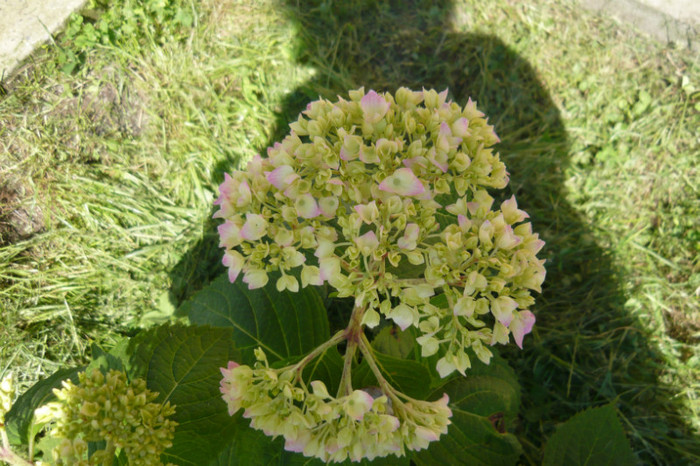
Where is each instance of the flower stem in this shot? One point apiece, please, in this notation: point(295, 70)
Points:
point(387, 389)
point(13, 458)
point(345, 386)
point(352, 333)
point(335, 339)
point(110, 450)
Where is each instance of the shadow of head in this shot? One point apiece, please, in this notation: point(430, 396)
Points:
point(581, 316)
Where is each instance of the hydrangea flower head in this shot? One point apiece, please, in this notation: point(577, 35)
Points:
point(362, 191)
point(359, 184)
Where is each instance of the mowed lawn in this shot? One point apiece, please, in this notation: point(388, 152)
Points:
point(114, 138)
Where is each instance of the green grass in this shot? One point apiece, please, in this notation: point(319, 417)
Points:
point(107, 176)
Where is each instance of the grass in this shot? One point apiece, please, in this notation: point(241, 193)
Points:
point(107, 176)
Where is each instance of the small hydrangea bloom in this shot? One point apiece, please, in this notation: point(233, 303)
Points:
point(105, 407)
point(358, 425)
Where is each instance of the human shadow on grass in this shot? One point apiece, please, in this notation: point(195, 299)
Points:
point(586, 350)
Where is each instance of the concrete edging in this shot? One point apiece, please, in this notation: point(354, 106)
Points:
point(26, 24)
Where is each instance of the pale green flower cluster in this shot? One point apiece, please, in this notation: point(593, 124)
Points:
point(7, 391)
point(360, 184)
point(106, 407)
point(312, 422)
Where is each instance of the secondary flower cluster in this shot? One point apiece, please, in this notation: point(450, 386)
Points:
point(105, 407)
point(385, 199)
point(314, 423)
point(7, 391)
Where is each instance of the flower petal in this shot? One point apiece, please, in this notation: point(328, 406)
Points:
point(402, 182)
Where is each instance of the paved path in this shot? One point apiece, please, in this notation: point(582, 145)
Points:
point(667, 20)
point(26, 24)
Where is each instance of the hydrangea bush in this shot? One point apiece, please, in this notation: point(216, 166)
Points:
point(353, 197)
point(382, 199)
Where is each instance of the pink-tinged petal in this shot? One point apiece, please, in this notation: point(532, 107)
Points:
point(426, 434)
point(402, 182)
point(367, 243)
point(443, 96)
point(345, 155)
point(418, 160)
point(502, 308)
point(511, 213)
point(393, 422)
point(254, 228)
point(235, 262)
point(402, 315)
point(357, 404)
point(281, 177)
point(369, 155)
point(244, 194)
point(254, 168)
point(444, 401)
point(230, 234)
point(374, 107)
point(306, 206)
point(445, 129)
point(328, 205)
point(439, 159)
point(226, 188)
point(367, 212)
point(537, 245)
point(471, 110)
point(521, 326)
point(329, 267)
point(464, 223)
point(460, 127)
point(507, 239)
point(296, 445)
point(486, 231)
point(225, 211)
point(409, 238)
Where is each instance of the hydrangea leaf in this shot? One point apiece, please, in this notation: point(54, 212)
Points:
point(591, 437)
point(483, 404)
point(284, 324)
point(182, 363)
point(19, 420)
point(394, 342)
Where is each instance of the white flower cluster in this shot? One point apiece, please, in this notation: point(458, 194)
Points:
point(314, 423)
point(360, 184)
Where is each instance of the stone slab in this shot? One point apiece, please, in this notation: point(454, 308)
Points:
point(26, 24)
point(670, 21)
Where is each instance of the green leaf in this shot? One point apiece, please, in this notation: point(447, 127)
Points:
point(283, 324)
point(392, 341)
point(19, 420)
point(410, 377)
point(592, 437)
point(117, 358)
point(183, 365)
point(482, 405)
